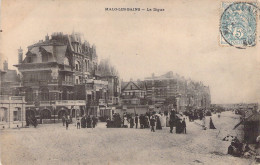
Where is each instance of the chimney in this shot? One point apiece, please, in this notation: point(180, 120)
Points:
point(5, 65)
point(20, 55)
point(47, 38)
point(153, 75)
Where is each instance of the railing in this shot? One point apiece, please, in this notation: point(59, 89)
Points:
point(45, 102)
point(11, 98)
point(52, 81)
point(16, 97)
point(101, 82)
point(92, 103)
point(39, 82)
point(67, 83)
point(4, 97)
point(28, 83)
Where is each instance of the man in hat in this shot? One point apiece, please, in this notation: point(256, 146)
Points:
point(136, 121)
point(152, 123)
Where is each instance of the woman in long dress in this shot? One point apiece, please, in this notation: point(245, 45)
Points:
point(204, 123)
point(125, 122)
point(211, 125)
point(158, 123)
point(89, 122)
point(163, 120)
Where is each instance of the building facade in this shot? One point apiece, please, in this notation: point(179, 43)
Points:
point(132, 94)
point(187, 93)
point(12, 111)
point(58, 76)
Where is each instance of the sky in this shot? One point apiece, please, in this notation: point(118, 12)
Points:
point(184, 38)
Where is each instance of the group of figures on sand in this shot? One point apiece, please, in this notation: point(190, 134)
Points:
point(239, 149)
point(243, 149)
point(130, 121)
point(84, 122)
point(146, 121)
point(176, 121)
point(88, 122)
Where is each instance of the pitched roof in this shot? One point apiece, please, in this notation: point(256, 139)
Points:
point(58, 55)
point(129, 85)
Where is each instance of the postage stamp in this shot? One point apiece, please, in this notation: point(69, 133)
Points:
point(238, 24)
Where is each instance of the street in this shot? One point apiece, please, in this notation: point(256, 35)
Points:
point(53, 144)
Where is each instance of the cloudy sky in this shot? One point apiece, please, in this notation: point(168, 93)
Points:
point(184, 38)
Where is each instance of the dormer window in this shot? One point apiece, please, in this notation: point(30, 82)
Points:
point(77, 66)
point(29, 59)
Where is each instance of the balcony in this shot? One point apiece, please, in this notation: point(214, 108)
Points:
point(67, 83)
point(52, 81)
point(39, 83)
point(92, 103)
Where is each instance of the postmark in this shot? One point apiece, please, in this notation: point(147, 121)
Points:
point(238, 24)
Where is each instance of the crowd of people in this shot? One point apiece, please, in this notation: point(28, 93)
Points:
point(151, 120)
point(197, 114)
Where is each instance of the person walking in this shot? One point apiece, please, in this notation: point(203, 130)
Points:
point(158, 123)
point(136, 121)
point(178, 126)
point(89, 122)
point(204, 123)
point(125, 122)
point(131, 122)
point(63, 120)
point(152, 123)
point(141, 120)
point(171, 122)
point(67, 123)
point(94, 121)
point(78, 123)
point(184, 125)
point(83, 122)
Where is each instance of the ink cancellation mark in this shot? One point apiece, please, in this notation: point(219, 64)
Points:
point(238, 24)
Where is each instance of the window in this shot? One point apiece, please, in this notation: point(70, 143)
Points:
point(80, 79)
point(44, 94)
point(17, 114)
point(45, 58)
point(3, 115)
point(73, 113)
point(64, 94)
point(29, 59)
point(87, 65)
point(77, 66)
point(29, 94)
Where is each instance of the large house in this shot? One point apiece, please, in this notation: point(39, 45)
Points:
point(186, 93)
point(132, 94)
point(58, 77)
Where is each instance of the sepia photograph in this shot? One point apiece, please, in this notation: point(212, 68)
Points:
point(138, 82)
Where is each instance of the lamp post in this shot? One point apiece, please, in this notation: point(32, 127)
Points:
point(178, 102)
point(54, 110)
